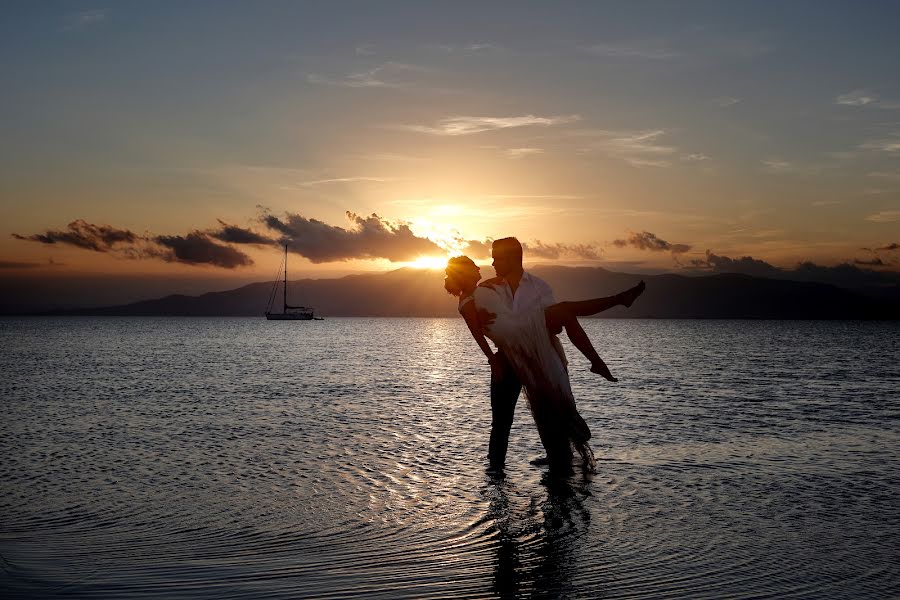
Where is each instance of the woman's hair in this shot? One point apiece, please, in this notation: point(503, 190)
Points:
point(455, 268)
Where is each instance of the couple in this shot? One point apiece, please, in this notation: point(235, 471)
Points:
point(517, 311)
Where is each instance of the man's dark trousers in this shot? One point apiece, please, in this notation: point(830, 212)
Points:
point(504, 394)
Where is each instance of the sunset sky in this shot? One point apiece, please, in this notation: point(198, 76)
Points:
point(188, 138)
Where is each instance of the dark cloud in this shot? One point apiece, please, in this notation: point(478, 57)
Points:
point(539, 249)
point(477, 249)
point(890, 247)
point(238, 235)
point(80, 233)
point(196, 248)
point(11, 264)
point(746, 265)
point(873, 262)
point(843, 275)
point(649, 241)
point(369, 237)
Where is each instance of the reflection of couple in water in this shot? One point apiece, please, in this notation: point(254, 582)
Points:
point(517, 311)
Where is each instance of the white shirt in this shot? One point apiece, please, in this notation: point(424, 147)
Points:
point(533, 292)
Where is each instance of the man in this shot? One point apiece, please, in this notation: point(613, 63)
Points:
point(522, 292)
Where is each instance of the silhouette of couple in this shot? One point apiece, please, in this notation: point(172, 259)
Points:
point(518, 313)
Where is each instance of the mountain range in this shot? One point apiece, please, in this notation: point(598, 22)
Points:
point(419, 293)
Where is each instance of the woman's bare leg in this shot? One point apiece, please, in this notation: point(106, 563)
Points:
point(564, 314)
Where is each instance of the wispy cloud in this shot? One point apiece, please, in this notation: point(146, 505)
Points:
point(85, 18)
point(694, 157)
point(638, 148)
point(465, 125)
point(392, 157)
point(865, 98)
point(387, 75)
point(725, 101)
point(645, 50)
point(890, 144)
point(884, 174)
point(884, 216)
point(776, 165)
point(333, 180)
point(466, 48)
point(856, 98)
point(516, 153)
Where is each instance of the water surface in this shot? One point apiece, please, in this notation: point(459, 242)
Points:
point(246, 458)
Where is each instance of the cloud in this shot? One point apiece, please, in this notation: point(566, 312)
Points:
point(725, 101)
point(856, 98)
point(367, 238)
point(516, 153)
point(80, 233)
point(464, 125)
point(872, 262)
point(477, 249)
point(746, 265)
point(85, 18)
point(864, 98)
point(236, 235)
point(695, 157)
point(778, 166)
point(890, 247)
point(649, 241)
point(539, 249)
point(11, 264)
point(468, 48)
point(196, 248)
point(317, 182)
point(638, 50)
point(884, 216)
point(843, 275)
point(383, 76)
point(884, 175)
point(890, 144)
point(642, 148)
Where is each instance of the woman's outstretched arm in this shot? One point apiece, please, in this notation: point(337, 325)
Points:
point(470, 314)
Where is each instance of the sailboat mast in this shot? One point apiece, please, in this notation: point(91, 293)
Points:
point(285, 279)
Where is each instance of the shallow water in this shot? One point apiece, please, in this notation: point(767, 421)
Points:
point(247, 458)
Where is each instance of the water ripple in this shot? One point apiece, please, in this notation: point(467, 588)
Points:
point(243, 458)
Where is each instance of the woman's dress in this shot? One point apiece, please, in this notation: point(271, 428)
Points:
point(524, 339)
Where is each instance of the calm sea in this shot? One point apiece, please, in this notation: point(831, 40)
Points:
point(238, 457)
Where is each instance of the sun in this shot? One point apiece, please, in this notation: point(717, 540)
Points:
point(429, 262)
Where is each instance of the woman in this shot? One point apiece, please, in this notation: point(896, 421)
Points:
point(525, 341)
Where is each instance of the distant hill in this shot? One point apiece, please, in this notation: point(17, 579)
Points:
point(418, 293)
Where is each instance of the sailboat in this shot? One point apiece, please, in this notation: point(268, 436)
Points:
point(288, 313)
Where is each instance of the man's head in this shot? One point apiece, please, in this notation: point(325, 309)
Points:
point(507, 255)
